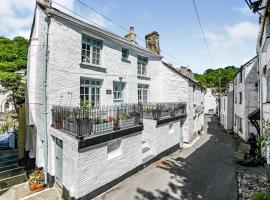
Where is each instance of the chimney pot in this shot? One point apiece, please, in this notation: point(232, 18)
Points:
point(46, 3)
point(152, 42)
point(131, 35)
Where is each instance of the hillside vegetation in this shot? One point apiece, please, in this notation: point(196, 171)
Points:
point(13, 58)
point(210, 78)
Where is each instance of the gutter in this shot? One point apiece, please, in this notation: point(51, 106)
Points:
point(45, 85)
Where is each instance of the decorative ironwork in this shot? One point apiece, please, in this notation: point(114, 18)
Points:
point(91, 121)
point(85, 122)
point(163, 110)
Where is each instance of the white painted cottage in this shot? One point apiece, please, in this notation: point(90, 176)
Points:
point(263, 51)
point(141, 107)
point(226, 108)
point(210, 102)
point(245, 98)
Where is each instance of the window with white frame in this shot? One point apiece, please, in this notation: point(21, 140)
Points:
point(118, 91)
point(142, 62)
point(90, 91)
point(91, 50)
point(142, 93)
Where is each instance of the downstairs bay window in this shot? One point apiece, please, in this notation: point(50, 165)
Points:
point(143, 93)
point(90, 92)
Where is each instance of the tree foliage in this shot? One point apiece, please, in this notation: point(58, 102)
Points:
point(13, 58)
point(210, 78)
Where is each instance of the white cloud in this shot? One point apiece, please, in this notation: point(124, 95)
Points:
point(244, 11)
point(233, 44)
point(231, 35)
point(16, 15)
point(242, 30)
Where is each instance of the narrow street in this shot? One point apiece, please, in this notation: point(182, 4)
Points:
point(203, 170)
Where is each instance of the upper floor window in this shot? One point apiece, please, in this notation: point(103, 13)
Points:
point(235, 81)
point(125, 53)
point(142, 62)
point(240, 97)
point(91, 50)
point(240, 77)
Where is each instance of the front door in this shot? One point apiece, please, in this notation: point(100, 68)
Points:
point(58, 159)
point(181, 132)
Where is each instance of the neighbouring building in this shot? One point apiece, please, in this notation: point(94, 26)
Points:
point(141, 107)
point(226, 108)
point(210, 102)
point(263, 50)
point(245, 98)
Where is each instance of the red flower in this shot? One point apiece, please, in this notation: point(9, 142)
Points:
point(110, 118)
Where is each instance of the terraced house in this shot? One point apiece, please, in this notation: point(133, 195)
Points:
point(245, 98)
point(101, 107)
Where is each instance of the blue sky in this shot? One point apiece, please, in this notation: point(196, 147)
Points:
point(231, 28)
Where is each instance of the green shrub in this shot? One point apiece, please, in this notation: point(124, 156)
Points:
point(261, 196)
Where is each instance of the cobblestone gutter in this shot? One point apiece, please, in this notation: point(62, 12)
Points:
point(250, 183)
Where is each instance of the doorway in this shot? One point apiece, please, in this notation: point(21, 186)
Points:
point(58, 160)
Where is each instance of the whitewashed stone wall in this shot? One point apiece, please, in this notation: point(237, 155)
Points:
point(210, 102)
point(249, 98)
point(226, 110)
point(263, 51)
point(162, 137)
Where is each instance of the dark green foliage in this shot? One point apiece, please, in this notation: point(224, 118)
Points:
point(261, 196)
point(13, 57)
point(210, 78)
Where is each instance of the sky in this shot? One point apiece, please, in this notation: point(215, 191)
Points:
point(231, 29)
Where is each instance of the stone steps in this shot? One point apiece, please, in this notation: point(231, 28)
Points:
point(6, 183)
point(5, 158)
point(8, 152)
point(8, 162)
point(12, 172)
point(12, 166)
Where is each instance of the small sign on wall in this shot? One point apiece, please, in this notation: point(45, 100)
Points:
point(108, 91)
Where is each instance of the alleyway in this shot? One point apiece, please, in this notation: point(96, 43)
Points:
point(204, 170)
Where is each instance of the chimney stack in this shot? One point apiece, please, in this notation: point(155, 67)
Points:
point(45, 3)
point(131, 35)
point(152, 42)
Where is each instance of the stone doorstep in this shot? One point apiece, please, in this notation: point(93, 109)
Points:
point(241, 151)
point(47, 194)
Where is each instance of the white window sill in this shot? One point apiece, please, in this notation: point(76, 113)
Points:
point(144, 77)
point(93, 67)
point(125, 60)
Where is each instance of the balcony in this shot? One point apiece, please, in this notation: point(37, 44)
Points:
point(91, 122)
point(95, 121)
point(164, 112)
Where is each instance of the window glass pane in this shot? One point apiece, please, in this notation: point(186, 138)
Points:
point(81, 90)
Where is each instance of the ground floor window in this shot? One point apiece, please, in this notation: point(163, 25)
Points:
point(90, 91)
point(240, 124)
point(143, 93)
